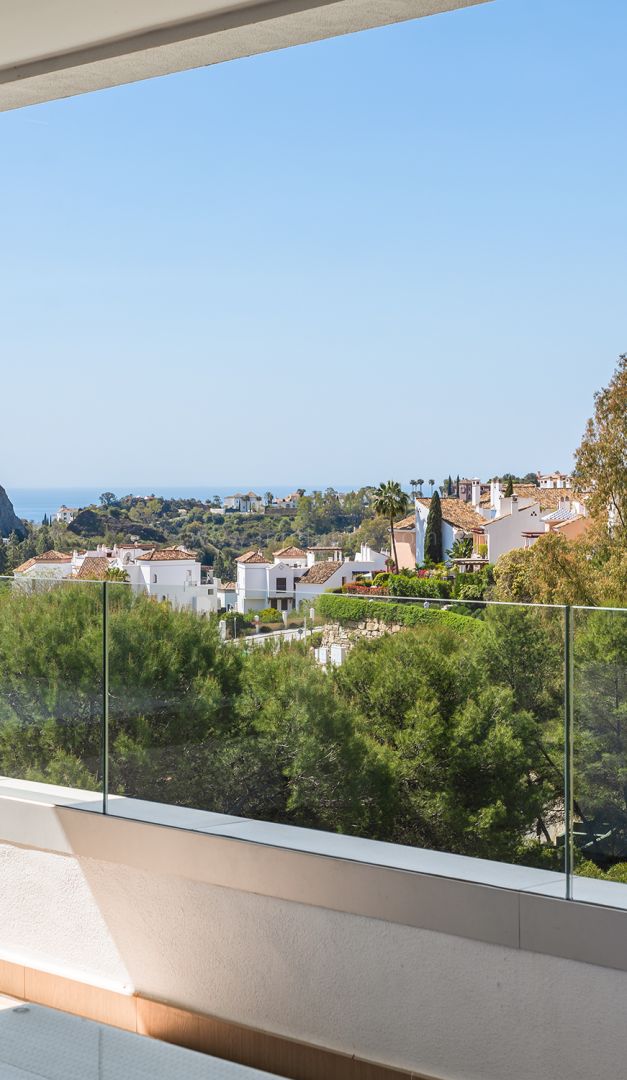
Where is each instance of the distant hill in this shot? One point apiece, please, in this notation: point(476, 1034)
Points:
point(9, 522)
point(97, 523)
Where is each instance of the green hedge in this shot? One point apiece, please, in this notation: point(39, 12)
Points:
point(413, 585)
point(356, 609)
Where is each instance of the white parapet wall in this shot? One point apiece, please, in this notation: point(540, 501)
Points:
point(450, 967)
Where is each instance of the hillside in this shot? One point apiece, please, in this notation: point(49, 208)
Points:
point(9, 522)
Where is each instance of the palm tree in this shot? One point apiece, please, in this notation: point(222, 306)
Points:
point(431, 485)
point(391, 502)
point(413, 485)
point(420, 483)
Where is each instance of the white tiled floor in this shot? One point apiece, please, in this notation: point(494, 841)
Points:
point(37, 1043)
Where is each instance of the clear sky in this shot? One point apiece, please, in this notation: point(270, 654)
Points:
point(400, 253)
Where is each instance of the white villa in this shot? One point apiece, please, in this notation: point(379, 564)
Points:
point(66, 514)
point(555, 480)
point(250, 503)
point(496, 523)
point(172, 574)
point(293, 574)
point(458, 521)
point(516, 521)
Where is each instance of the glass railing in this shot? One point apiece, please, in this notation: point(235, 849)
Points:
point(483, 730)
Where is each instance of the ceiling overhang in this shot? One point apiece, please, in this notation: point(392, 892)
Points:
point(57, 48)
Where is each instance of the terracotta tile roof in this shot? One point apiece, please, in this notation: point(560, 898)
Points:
point(291, 553)
point(166, 555)
point(457, 513)
point(47, 557)
point(320, 572)
point(408, 522)
point(93, 568)
point(228, 586)
point(253, 557)
point(134, 547)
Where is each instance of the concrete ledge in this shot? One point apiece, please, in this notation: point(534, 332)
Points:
point(512, 906)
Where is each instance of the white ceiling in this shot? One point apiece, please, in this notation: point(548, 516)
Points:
point(32, 29)
point(56, 48)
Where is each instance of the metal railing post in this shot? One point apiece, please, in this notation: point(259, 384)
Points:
point(568, 749)
point(105, 696)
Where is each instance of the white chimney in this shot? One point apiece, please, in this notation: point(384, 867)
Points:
point(476, 492)
point(496, 495)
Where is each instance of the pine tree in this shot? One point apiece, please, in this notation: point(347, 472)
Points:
point(433, 532)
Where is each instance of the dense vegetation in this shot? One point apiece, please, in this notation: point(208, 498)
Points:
point(322, 517)
point(447, 734)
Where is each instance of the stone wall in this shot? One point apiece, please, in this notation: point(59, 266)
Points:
point(348, 633)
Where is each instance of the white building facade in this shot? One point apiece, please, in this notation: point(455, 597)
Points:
point(171, 574)
point(293, 575)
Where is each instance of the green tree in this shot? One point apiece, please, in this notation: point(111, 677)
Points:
point(509, 490)
point(468, 769)
point(601, 460)
point(313, 765)
point(601, 732)
point(433, 531)
point(44, 540)
point(107, 498)
point(116, 573)
point(391, 502)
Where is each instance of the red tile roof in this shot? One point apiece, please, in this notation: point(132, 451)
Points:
point(320, 572)
point(93, 568)
point(253, 557)
point(166, 555)
point(457, 513)
point(48, 557)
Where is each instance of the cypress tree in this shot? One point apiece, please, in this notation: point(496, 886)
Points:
point(449, 486)
point(509, 490)
point(433, 532)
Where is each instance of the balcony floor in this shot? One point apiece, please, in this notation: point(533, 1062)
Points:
point(38, 1043)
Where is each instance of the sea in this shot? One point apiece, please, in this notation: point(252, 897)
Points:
point(35, 503)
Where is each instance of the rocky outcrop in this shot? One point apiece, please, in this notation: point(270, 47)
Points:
point(9, 522)
point(92, 523)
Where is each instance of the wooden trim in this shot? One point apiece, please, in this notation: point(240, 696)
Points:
point(287, 1057)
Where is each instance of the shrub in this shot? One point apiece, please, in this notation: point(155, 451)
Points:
point(270, 615)
point(419, 586)
point(355, 587)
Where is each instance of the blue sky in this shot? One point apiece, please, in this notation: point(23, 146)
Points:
point(400, 253)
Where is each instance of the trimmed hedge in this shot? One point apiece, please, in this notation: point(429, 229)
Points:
point(419, 586)
point(351, 609)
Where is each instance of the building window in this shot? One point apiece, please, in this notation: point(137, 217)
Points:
point(283, 605)
point(281, 584)
point(154, 579)
point(273, 603)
